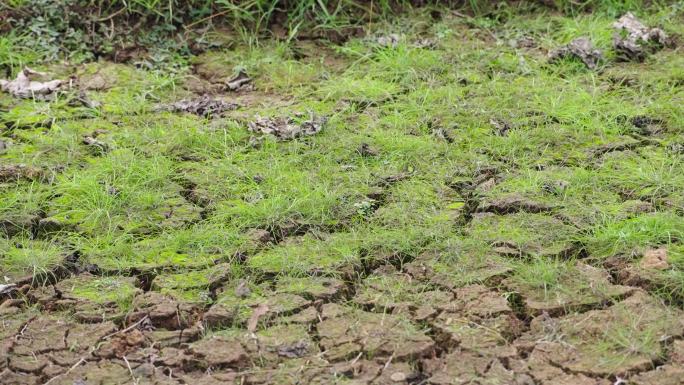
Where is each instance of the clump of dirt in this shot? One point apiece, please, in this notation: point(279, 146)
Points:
point(463, 367)
point(163, 311)
point(31, 84)
point(203, 106)
point(15, 172)
point(220, 352)
point(312, 288)
point(634, 40)
point(580, 48)
point(652, 272)
point(287, 128)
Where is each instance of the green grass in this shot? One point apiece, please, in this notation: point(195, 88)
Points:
point(412, 155)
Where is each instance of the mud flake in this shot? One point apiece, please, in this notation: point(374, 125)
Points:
point(450, 274)
point(163, 311)
point(40, 335)
point(461, 368)
point(8, 377)
point(287, 128)
point(282, 342)
point(382, 335)
point(172, 338)
point(121, 344)
point(662, 375)
point(581, 343)
point(634, 40)
point(580, 48)
point(204, 279)
point(323, 288)
point(232, 307)
point(28, 85)
point(96, 373)
point(220, 352)
point(527, 233)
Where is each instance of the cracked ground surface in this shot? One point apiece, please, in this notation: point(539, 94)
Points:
point(459, 212)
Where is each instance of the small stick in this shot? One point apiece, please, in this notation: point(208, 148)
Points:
point(82, 360)
point(126, 329)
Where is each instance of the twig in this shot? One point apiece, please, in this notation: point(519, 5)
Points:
point(113, 15)
point(130, 370)
point(82, 360)
point(206, 18)
point(126, 329)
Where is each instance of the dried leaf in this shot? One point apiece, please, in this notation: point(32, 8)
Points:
point(634, 39)
point(238, 81)
point(26, 86)
point(581, 48)
point(7, 288)
point(285, 129)
point(202, 106)
point(253, 321)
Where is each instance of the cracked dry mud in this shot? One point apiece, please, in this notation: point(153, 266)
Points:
point(317, 224)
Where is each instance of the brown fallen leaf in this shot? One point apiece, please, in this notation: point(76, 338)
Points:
point(634, 40)
point(253, 321)
point(26, 85)
point(238, 81)
point(203, 106)
point(286, 128)
point(581, 48)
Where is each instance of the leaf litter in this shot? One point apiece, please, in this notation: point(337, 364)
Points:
point(204, 106)
point(288, 128)
point(581, 48)
point(31, 84)
point(633, 40)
